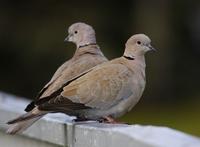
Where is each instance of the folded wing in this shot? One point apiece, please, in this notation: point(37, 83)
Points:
point(101, 88)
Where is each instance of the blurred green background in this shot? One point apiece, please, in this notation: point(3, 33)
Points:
point(32, 47)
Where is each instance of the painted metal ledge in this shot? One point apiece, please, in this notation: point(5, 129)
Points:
point(57, 130)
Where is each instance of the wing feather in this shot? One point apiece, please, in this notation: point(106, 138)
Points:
point(100, 88)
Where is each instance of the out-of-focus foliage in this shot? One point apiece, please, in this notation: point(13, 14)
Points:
point(32, 47)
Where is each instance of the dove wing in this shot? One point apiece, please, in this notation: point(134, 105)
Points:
point(101, 88)
point(71, 69)
point(55, 76)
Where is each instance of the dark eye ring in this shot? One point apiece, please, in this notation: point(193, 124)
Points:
point(138, 42)
point(76, 32)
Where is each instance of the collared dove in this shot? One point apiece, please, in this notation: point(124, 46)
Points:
point(87, 55)
point(108, 90)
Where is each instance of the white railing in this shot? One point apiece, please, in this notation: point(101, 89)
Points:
point(57, 130)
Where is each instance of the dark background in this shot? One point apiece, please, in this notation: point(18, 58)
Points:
point(32, 47)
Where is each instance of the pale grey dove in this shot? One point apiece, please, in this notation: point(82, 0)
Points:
point(87, 55)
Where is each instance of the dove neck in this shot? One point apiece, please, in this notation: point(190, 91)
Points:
point(140, 61)
point(137, 59)
point(87, 45)
point(86, 40)
point(88, 49)
point(137, 65)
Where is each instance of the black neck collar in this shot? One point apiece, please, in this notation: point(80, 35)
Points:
point(87, 45)
point(129, 58)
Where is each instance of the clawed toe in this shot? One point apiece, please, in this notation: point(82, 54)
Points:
point(110, 120)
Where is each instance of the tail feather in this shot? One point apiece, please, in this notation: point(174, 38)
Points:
point(23, 117)
point(19, 127)
point(24, 121)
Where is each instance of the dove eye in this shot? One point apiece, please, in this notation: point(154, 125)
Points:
point(76, 32)
point(139, 42)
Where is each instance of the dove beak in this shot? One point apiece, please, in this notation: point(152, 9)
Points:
point(67, 38)
point(152, 48)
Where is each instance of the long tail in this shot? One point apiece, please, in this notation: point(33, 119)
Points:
point(24, 121)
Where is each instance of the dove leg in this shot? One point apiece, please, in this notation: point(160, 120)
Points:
point(110, 120)
point(81, 119)
point(106, 119)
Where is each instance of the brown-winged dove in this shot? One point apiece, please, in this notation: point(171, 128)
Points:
point(108, 90)
point(87, 55)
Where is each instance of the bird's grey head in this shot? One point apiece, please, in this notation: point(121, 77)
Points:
point(138, 44)
point(81, 34)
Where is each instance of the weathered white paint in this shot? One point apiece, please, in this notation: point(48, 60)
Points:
point(58, 130)
point(20, 141)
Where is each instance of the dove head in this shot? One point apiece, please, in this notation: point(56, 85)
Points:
point(81, 34)
point(138, 45)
